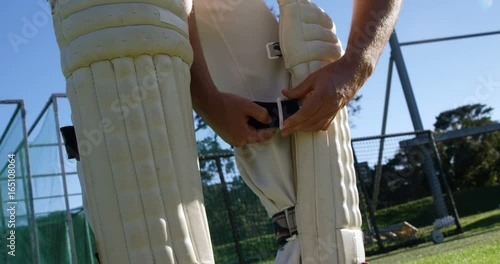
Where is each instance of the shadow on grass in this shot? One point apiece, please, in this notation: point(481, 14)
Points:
point(484, 223)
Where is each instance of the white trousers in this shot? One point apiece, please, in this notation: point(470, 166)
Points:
point(312, 171)
point(127, 69)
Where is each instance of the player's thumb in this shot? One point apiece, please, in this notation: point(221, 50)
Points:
point(258, 112)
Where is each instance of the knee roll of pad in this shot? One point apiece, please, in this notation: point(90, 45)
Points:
point(328, 217)
point(94, 30)
point(127, 68)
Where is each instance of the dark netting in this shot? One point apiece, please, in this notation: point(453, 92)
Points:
point(44, 236)
point(14, 192)
point(404, 193)
point(403, 180)
point(240, 229)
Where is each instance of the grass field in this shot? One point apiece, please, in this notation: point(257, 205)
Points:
point(480, 243)
point(477, 244)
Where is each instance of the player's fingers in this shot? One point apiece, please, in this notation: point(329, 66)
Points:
point(256, 111)
point(311, 105)
point(259, 135)
point(300, 91)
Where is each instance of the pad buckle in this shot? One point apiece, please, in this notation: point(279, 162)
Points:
point(273, 50)
point(285, 225)
point(280, 111)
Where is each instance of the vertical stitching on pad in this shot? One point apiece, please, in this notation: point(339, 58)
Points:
point(90, 176)
point(113, 178)
point(109, 160)
point(137, 173)
point(177, 94)
point(347, 171)
point(352, 181)
point(316, 209)
point(90, 167)
point(330, 174)
point(312, 137)
point(342, 170)
point(157, 175)
point(166, 125)
point(332, 183)
point(336, 206)
point(133, 162)
point(150, 141)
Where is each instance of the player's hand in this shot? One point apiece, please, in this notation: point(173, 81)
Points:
point(325, 92)
point(229, 119)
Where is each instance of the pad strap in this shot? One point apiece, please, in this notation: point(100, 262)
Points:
point(70, 143)
point(288, 108)
point(284, 225)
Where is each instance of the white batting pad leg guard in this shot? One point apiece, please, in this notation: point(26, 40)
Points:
point(127, 69)
point(328, 217)
point(239, 64)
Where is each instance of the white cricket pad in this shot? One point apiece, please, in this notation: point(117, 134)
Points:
point(328, 217)
point(239, 64)
point(127, 69)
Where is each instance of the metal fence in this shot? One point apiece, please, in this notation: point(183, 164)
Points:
point(404, 193)
point(50, 226)
point(56, 231)
point(17, 228)
point(239, 226)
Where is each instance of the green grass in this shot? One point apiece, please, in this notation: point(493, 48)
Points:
point(474, 208)
point(480, 243)
point(420, 214)
point(482, 253)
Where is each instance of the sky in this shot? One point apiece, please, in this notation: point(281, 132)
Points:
point(443, 75)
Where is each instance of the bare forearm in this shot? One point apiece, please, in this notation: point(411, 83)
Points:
point(202, 86)
point(372, 24)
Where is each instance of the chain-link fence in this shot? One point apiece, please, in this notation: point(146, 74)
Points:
point(239, 226)
point(64, 236)
point(58, 231)
point(17, 228)
point(405, 194)
point(50, 226)
point(402, 181)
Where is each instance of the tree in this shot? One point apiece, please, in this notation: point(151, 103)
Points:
point(469, 161)
point(463, 117)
